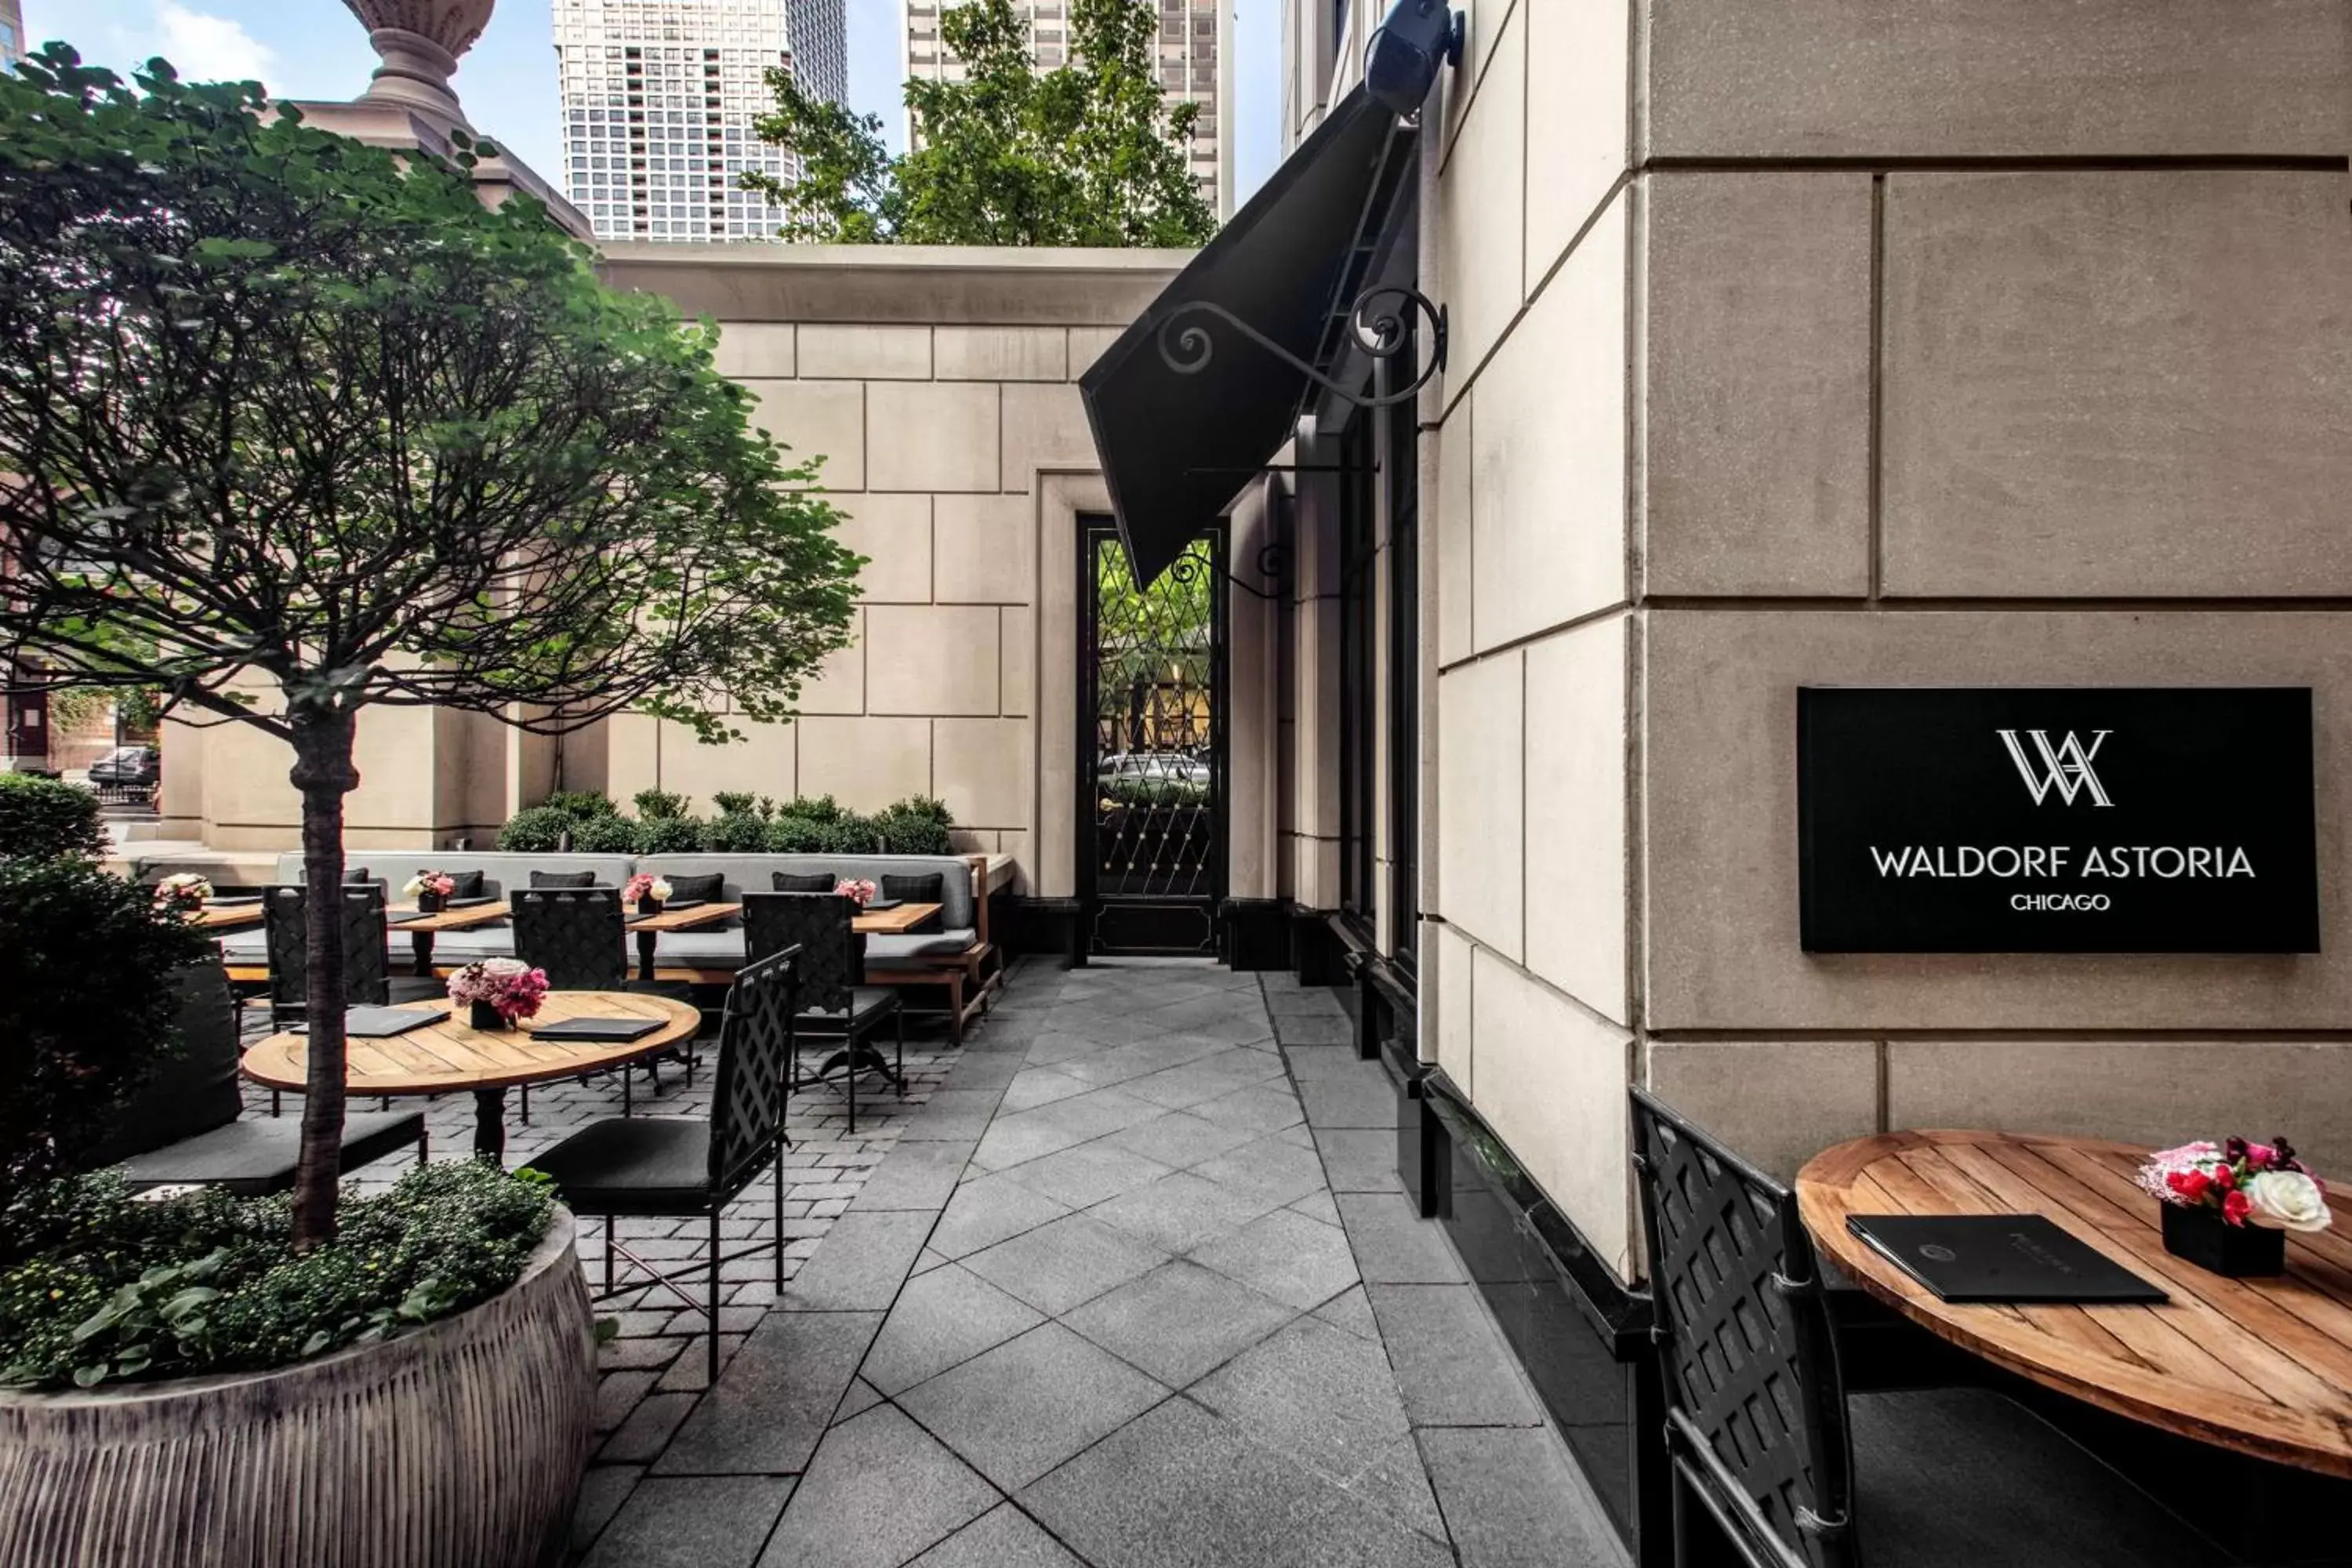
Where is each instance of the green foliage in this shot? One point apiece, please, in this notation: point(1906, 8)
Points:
point(917, 825)
point(535, 830)
point(735, 833)
point(670, 836)
point(41, 819)
point(820, 808)
point(97, 1287)
point(87, 1007)
point(575, 804)
point(733, 802)
point(653, 803)
point(1091, 153)
point(790, 835)
point(606, 835)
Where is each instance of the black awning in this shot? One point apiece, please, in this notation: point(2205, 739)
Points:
point(1204, 387)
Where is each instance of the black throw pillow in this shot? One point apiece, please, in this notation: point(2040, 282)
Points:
point(702, 889)
point(915, 890)
point(804, 881)
point(563, 878)
point(469, 884)
point(354, 875)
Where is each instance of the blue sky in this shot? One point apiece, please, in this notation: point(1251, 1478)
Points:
point(313, 48)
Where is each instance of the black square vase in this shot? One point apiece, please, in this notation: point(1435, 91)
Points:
point(2241, 1251)
point(485, 1017)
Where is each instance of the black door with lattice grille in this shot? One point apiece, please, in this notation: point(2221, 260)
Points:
point(1151, 762)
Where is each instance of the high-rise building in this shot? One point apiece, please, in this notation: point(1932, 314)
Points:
point(12, 32)
point(1195, 65)
point(660, 97)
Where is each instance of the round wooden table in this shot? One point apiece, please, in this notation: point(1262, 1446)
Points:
point(2259, 1366)
point(452, 1054)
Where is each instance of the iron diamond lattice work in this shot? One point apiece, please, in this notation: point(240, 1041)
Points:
point(1386, 321)
point(1156, 856)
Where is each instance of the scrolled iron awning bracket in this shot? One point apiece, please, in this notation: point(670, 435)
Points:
point(1186, 346)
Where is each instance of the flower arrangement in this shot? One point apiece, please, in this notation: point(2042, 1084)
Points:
point(429, 889)
point(182, 892)
point(506, 987)
point(2248, 1184)
point(856, 889)
point(648, 892)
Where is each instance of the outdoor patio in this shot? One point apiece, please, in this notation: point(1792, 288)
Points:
point(1129, 1280)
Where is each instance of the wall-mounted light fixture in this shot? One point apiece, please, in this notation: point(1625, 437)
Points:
point(1400, 62)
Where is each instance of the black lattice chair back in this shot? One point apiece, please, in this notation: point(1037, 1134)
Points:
point(574, 934)
point(366, 973)
point(832, 959)
point(755, 1069)
point(1756, 1408)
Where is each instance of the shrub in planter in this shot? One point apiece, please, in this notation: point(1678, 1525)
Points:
point(822, 808)
point(790, 835)
point(656, 804)
point(41, 819)
point(667, 836)
point(535, 830)
point(606, 835)
point(87, 1002)
point(576, 803)
point(741, 803)
point(915, 827)
point(735, 833)
point(102, 1287)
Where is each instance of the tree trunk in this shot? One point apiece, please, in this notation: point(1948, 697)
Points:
point(324, 774)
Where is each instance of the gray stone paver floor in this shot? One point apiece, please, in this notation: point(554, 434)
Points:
point(1116, 1297)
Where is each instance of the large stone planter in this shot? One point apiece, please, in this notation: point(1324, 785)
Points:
point(460, 1444)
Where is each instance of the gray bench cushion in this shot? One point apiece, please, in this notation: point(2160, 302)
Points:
point(756, 873)
point(918, 944)
point(257, 1155)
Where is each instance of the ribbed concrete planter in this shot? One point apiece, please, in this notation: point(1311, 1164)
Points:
point(460, 1444)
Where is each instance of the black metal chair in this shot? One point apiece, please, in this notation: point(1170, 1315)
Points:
point(834, 1005)
point(667, 1167)
point(579, 938)
point(368, 979)
point(186, 1125)
point(1765, 1444)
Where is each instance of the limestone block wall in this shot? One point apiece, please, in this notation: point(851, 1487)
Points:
point(1973, 342)
point(938, 386)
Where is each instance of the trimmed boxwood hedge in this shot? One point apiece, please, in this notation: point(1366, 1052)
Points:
point(745, 825)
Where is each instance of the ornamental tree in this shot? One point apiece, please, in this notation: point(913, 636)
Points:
point(1089, 154)
point(281, 412)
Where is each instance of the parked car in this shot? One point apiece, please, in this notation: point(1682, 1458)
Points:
point(129, 767)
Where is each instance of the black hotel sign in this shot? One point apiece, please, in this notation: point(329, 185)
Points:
point(2057, 820)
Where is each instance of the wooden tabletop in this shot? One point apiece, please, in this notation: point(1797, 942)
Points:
point(225, 917)
point(2261, 1366)
point(693, 915)
point(452, 1054)
point(893, 922)
point(407, 918)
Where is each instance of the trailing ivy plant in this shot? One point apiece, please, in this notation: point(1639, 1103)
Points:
point(296, 426)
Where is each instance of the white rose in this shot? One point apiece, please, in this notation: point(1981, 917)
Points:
point(2287, 1200)
point(661, 889)
point(414, 886)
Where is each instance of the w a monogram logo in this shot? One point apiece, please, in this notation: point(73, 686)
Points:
point(2064, 767)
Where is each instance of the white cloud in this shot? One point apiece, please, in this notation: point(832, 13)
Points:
point(203, 47)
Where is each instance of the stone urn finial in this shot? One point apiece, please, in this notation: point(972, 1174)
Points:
point(419, 41)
